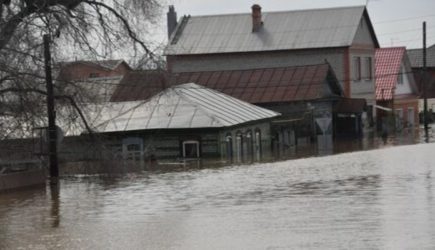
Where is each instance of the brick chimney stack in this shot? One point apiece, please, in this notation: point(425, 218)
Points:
point(172, 20)
point(256, 18)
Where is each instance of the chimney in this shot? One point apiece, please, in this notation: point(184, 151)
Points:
point(256, 18)
point(172, 20)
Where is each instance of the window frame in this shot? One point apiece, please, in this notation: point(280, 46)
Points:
point(368, 66)
point(184, 143)
point(356, 68)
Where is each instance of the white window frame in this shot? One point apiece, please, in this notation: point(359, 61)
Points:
point(356, 68)
point(134, 155)
point(191, 142)
point(368, 66)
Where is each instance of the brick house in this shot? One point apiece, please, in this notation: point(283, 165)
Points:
point(82, 70)
point(344, 37)
point(396, 89)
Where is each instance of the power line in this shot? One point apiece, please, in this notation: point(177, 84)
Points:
point(403, 19)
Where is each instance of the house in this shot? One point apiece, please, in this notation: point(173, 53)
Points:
point(396, 89)
point(82, 70)
point(91, 81)
point(302, 94)
point(139, 85)
point(294, 91)
point(416, 58)
point(94, 90)
point(186, 121)
point(343, 37)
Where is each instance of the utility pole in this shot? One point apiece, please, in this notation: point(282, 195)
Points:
point(425, 118)
point(52, 131)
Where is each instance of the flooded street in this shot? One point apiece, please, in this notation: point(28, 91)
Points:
point(379, 199)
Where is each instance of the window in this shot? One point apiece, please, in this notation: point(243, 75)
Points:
point(356, 68)
point(191, 149)
point(239, 147)
point(249, 145)
point(399, 118)
point(132, 149)
point(229, 147)
point(399, 113)
point(257, 147)
point(368, 69)
point(400, 78)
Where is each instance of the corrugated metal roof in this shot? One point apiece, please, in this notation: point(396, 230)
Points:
point(301, 29)
point(183, 106)
point(139, 85)
point(387, 67)
point(270, 85)
point(282, 84)
point(416, 57)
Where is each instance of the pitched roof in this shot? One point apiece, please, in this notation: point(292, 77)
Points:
point(98, 89)
point(387, 65)
point(105, 64)
point(179, 107)
point(416, 57)
point(139, 85)
point(286, 30)
point(270, 85)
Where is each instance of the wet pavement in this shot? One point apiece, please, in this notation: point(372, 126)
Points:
point(378, 199)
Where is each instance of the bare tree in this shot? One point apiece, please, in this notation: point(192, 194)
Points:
point(94, 27)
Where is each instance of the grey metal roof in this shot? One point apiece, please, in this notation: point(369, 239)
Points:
point(416, 57)
point(183, 106)
point(301, 29)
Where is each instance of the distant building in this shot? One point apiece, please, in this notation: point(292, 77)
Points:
point(416, 58)
point(396, 90)
point(344, 37)
point(83, 70)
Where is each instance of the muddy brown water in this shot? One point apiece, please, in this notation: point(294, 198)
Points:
point(378, 199)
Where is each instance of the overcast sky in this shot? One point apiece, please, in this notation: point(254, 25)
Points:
point(396, 22)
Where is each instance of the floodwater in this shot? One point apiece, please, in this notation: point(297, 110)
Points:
point(379, 199)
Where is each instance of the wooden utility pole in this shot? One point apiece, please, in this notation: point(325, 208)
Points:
point(52, 132)
point(425, 117)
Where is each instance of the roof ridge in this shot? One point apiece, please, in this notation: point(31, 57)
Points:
point(283, 11)
point(224, 96)
point(261, 68)
point(199, 107)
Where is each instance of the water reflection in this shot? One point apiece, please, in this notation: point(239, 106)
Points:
point(54, 211)
point(380, 199)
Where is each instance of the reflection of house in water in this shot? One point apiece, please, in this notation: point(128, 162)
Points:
point(396, 89)
point(185, 121)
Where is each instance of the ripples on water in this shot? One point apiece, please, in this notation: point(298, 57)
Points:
point(381, 199)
